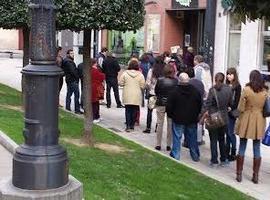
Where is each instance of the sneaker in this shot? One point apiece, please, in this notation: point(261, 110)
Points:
point(147, 130)
point(128, 130)
point(79, 112)
point(158, 148)
point(120, 106)
point(212, 165)
point(201, 143)
point(108, 106)
point(96, 121)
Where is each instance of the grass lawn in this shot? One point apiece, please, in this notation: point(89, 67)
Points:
point(135, 173)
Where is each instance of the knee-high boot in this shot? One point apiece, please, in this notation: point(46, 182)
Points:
point(239, 167)
point(256, 168)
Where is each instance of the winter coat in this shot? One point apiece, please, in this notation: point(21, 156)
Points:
point(224, 96)
point(145, 66)
point(163, 87)
point(71, 72)
point(202, 72)
point(184, 104)
point(198, 85)
point(251, 123)
point(110, 67)
point(133, 82)
point(236, 92)
point(97, 83)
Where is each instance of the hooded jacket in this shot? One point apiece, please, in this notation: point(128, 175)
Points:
point(203, 73)
point(133, 82)
point(184, 104)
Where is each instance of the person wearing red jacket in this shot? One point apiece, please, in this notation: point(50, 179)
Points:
point(97, 89)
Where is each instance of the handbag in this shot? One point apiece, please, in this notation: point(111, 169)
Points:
point(100, 91)
point(266, 138)
point(266, 107)
point(152, 102)
point(215, 120)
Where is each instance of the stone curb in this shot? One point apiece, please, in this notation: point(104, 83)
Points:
point(8, 143)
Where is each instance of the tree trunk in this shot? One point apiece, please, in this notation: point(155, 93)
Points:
point(87, 90)
point(26, 34)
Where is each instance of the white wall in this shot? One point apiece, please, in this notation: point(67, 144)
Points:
point(249, 51)
point(249, 45)
point(9, 39)
point(221, 38)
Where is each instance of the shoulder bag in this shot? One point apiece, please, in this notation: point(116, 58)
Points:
point(215, 120)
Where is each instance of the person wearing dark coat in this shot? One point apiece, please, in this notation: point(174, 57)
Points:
point(111, 68)
point(162, 89)
point(222, 104)
point(72, 80)
point(184, 116)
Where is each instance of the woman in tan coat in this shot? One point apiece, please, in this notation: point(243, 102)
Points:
point(251, 123)
point(133, 82)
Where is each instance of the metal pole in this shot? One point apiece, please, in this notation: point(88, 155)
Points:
point(209, 32)
point(41, 163)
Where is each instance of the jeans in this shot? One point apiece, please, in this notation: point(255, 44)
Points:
point(230, 136)
point(73, 88)
point(131, 111)
point(112, 83)
point(191, 136)
point(256, 147)
point(217, 135)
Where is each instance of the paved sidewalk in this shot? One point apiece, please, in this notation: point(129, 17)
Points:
point(5, 163)
point(113, 119)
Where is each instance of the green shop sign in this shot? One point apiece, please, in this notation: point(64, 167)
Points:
point(178, 4)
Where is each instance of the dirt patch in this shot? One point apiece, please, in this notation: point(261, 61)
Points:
point(16, 108)
point(102, 146)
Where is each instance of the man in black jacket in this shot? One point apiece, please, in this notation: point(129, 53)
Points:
point(72, 80)
point(184, 106)
point(111, 68)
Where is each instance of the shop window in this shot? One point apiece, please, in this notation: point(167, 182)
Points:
point(234, 41)
point(266, 43)
point(153, 32)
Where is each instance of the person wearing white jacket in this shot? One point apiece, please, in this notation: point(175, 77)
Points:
point(132, 81)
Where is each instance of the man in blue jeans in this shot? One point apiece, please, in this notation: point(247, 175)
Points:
point(183, 107)
point(72, 80)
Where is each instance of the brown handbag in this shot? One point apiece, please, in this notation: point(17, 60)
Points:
point(100, 91)
point(215, 120)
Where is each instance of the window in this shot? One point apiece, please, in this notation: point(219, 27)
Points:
point(153, 32)
point(266, 43)
point(234, 41)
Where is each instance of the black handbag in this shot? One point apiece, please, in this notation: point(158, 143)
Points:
point(215, 120)
point(266, 108)
point(234, 113)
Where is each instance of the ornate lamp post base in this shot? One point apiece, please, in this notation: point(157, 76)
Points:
point(71, 191)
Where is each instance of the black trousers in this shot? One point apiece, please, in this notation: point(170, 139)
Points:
point(112, 82)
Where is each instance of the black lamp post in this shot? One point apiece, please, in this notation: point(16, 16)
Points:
point(41, 163)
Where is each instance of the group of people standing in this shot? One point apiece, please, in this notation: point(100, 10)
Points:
point(183, 92)
point(187, 97)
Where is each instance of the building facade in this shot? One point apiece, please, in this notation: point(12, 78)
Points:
point(243, 46)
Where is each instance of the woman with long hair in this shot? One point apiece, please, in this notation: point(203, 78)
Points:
point(251, 123)
point(154, 73)
point(233, 82)
point(218, 100)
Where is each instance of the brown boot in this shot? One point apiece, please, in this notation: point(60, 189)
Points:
point(239, 167)
point(256, 168)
